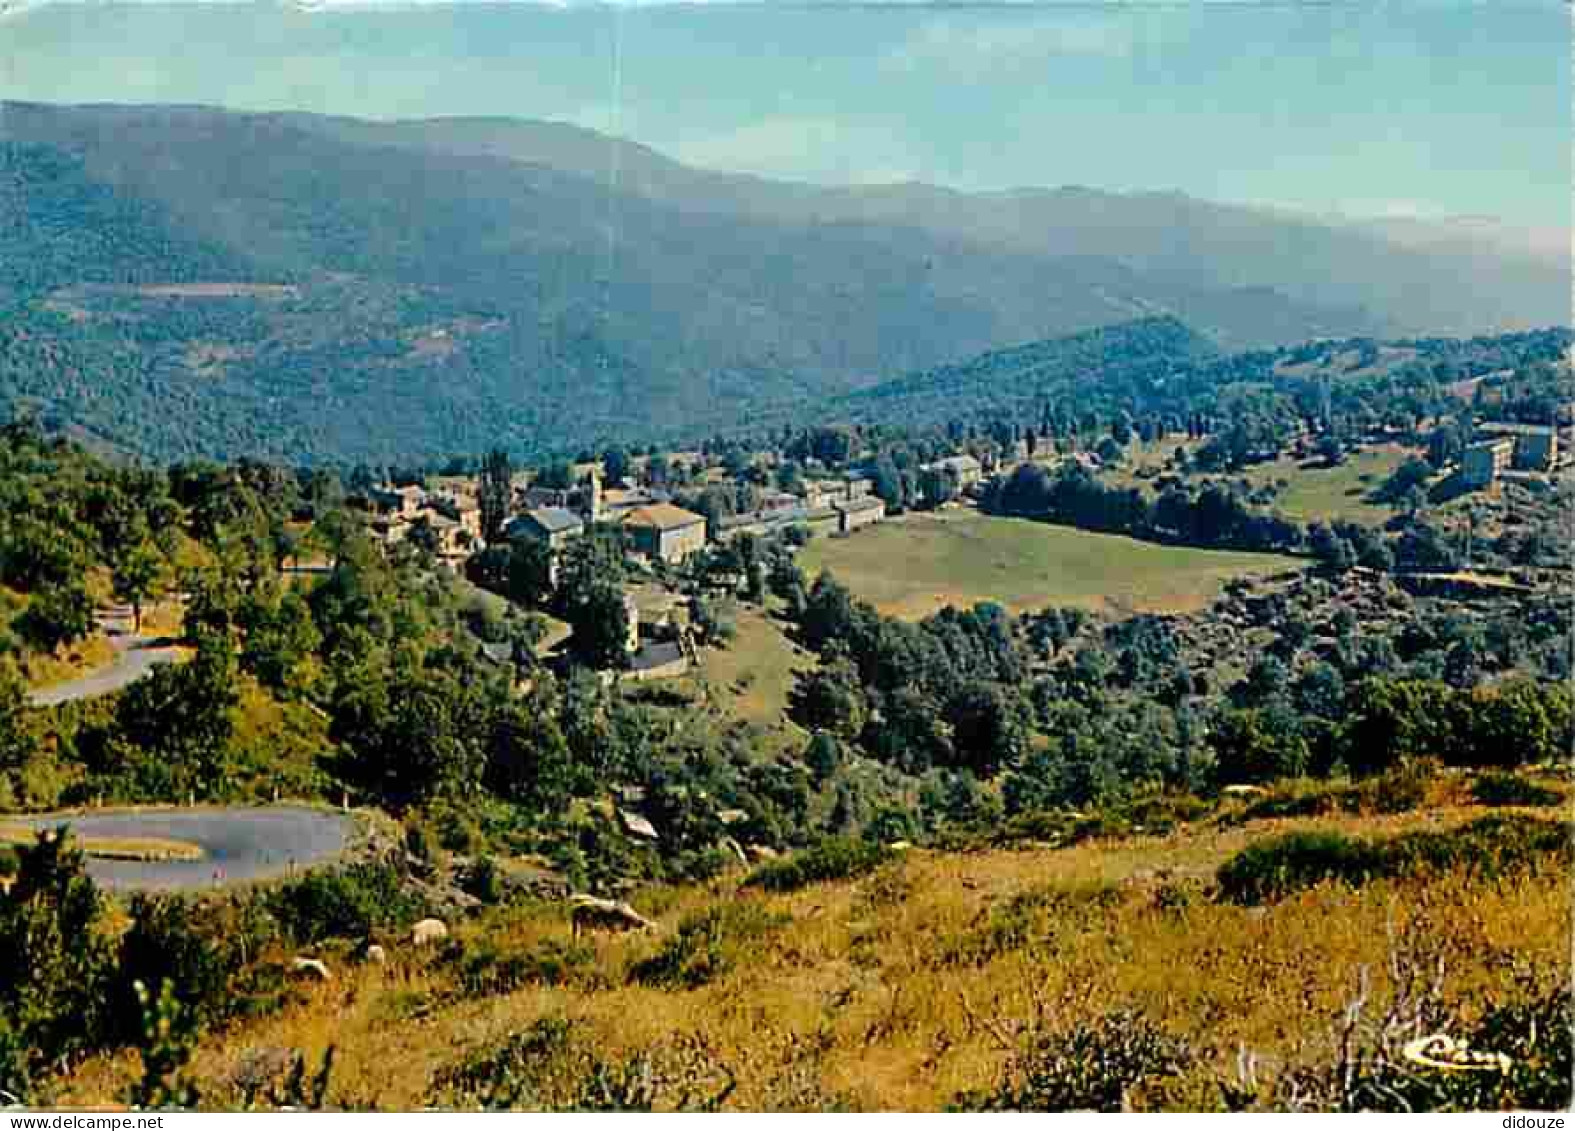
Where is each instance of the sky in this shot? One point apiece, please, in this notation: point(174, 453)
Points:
point(1424, 108)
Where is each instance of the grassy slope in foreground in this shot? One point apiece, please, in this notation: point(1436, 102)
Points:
point(915, 565)
point(902, 988)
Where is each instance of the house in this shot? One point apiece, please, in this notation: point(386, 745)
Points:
point(401, 502)
point(463, 509)
point(1482, 463)
point(1536, 445)
point(617, 502)
point(965, 468)
point(664, 532)
point(389, 529)
point(533, 498)
point(753, 522)
point(450, 538)
point(661, 659)
point(820, 492)
point(551, 526)
point(859, 511)
point(858, 486)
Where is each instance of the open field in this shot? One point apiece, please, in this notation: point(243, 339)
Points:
point(914, 565)
point(909, 986)
point(1318, 493)
point(752, 675)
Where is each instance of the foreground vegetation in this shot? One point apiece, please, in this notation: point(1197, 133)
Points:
point(1116, 973)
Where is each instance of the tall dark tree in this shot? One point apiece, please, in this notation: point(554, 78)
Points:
point(496, 493)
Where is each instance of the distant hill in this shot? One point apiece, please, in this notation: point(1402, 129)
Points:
point(409, 290)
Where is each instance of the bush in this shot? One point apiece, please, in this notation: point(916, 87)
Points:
point(1504, 789)
point(348, 903)
point(200, 947)
point(552, 962)
point(835, 858)
point(1274, 868)
point(706, 946)
point(1094, 1066)
point(483, 880)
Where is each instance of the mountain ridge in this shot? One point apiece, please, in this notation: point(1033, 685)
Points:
point(462, 286)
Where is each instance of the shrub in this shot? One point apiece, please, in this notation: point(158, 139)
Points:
point(347, 903)
point(706, 946)
point(835, 858)
point(483, 880)
point(199, 947)
point(552, 962)
point(1274, 868)
point(1031, 916)
point(1508, 789)
point(1093, 1066)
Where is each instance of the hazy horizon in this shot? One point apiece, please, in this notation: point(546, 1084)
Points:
point(1432, 111)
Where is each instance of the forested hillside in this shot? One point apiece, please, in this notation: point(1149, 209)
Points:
point(184, 282)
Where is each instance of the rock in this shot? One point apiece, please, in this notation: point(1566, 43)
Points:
point(589, 912)
point(312, 967)
point(635, 825)
point(376, 955)
point(732, 816)
point(900, 845)
point(428, 931)
point(1243, 790)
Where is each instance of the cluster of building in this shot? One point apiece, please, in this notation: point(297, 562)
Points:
point(1505, 448)
point(827, 506)
point(451, 518)
point(660, 531)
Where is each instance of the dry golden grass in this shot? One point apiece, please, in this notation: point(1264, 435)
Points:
point(115, 848)
point(900, 990)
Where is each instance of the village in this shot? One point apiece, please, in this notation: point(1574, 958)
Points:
point(659, 536)
point(674, 515)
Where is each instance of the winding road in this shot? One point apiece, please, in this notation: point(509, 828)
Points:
point(135, 657)
point(239, 845)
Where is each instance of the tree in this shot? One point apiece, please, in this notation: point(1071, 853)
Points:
point(938, 485)
point(280, 637)
point(174, 726)
point(989, 727)
point(18, 739)
point(600, 620)
point(411, 735)
point(823, 756)
point(139, 576)
point(1258, 745)
point(829, 698)
point(495, 493)
point(528, 577)
point(616, 464)
point(57, 615)
point(58, 962)
point(528, 759)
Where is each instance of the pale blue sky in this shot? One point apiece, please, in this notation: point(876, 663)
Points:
point(1426, 107)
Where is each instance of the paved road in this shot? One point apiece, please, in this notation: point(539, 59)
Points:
point(135, 657)
point(239, 844)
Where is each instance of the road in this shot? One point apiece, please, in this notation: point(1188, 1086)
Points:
point(240, 845)
point(135, 657)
